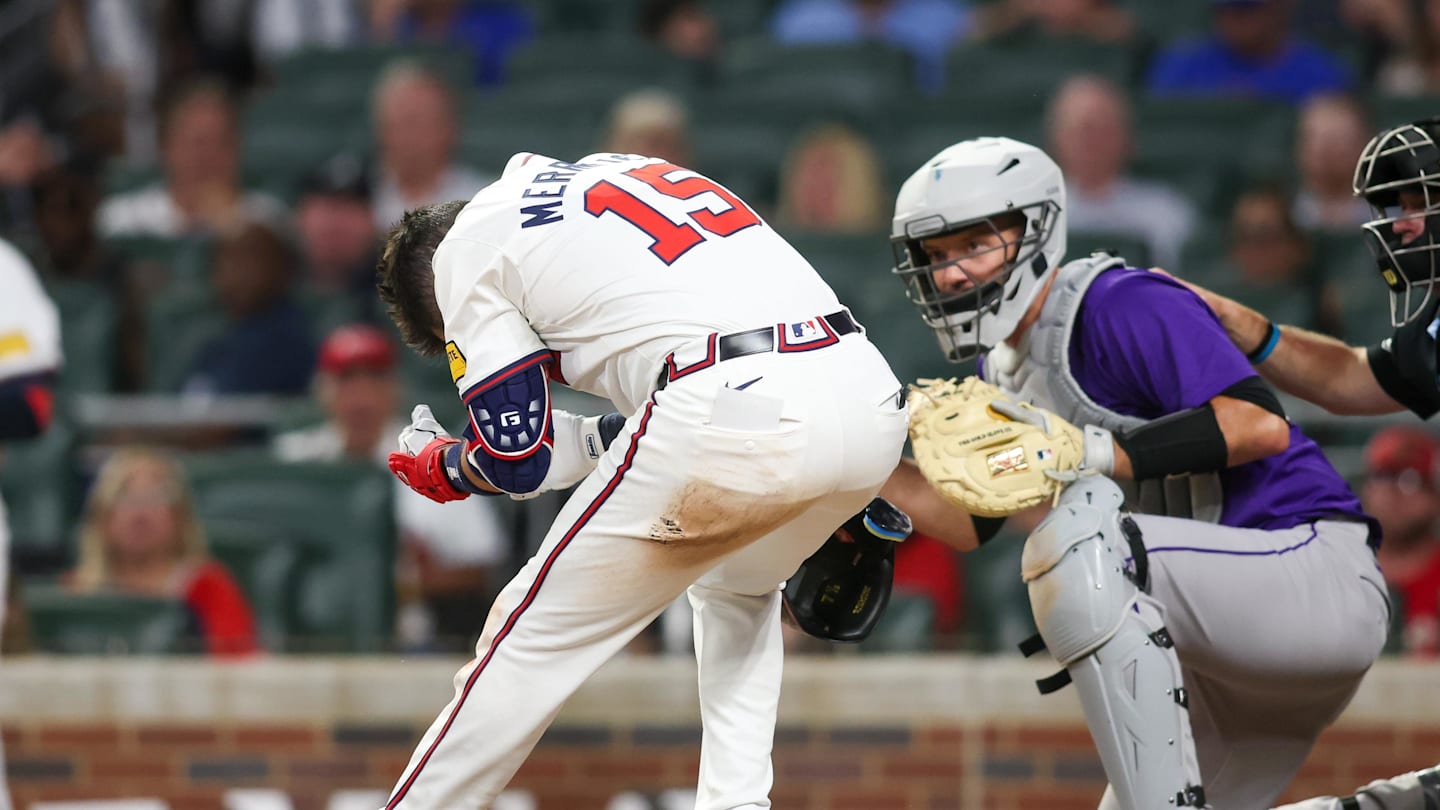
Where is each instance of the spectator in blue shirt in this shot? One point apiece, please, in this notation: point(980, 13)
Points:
point(1251, 52)
point(267, 346)
point(925, 28)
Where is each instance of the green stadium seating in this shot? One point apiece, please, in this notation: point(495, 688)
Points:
point(339, 521)
point(180, 321)
point(42, 497)
point(89, 317)
point(562, 58)
point(997, 602)
point(70, 623)
point(906, 626)
point(286, 137)
point(1346, 262)
point(266, 563)
point(1212, 147)
point(866, 72)
point(1393, 111)
point(1135, 251)
point(341, 76)
point(1026, 75)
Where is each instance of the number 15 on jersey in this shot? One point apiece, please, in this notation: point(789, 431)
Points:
point(670, 240)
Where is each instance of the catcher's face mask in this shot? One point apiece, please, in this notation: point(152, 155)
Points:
point(1399, 175)
point(966, 278)
point(839, 593)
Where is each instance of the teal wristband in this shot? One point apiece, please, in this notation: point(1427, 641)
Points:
point(1267, 346)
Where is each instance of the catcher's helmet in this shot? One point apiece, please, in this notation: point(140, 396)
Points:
point(1399, 175)
point(970, 183)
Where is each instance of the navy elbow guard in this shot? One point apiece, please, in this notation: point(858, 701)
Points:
point(510, 420)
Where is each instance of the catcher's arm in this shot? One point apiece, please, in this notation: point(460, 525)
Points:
point(1315, 367)
point(929, 513)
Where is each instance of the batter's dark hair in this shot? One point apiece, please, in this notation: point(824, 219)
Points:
point(405, 276)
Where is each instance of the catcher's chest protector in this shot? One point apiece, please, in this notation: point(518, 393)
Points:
point(1039, 373)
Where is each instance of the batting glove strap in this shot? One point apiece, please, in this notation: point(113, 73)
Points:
point(1099, 451)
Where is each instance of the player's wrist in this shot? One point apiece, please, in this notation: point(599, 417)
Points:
point(451, 458)
point(1266, 345)
point(1098, 451)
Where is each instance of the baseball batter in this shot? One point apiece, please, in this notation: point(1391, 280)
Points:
point(1252, 566)
point(29, 361)
point(758, 418)
point(1399, 175)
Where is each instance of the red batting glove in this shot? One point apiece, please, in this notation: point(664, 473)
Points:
point(425, 473)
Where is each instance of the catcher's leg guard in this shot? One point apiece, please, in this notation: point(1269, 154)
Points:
point(1112, 643)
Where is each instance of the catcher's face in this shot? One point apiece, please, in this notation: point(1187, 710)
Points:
point(971, 256)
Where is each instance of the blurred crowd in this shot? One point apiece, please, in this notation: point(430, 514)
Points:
point(203, 186)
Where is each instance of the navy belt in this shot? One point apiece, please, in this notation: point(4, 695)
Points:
point(803, 336)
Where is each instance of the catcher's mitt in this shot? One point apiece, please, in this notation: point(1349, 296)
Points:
point(987, 452)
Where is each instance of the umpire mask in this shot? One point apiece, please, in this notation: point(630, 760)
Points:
point(1398, 174)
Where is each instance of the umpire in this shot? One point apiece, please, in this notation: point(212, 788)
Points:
point(1398, 174)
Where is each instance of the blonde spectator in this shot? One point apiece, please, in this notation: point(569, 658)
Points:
point(141, 536)
point(832, 183)
point(417, 130)
point(1333, 130)
point(650, 122)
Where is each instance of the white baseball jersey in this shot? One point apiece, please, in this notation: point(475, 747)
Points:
point(527, 268)
point(777, 420)
point(29, 322)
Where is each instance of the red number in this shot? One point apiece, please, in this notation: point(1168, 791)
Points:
point(671, 240)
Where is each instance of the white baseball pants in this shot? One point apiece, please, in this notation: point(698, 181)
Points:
point(710, 488)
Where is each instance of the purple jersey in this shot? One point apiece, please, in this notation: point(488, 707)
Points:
point(1145, 346)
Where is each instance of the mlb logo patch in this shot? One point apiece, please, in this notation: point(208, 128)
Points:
point(1044, 453)
point(805, 332)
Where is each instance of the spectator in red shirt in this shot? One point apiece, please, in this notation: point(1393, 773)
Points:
point(1400, 489)
point(141, 536)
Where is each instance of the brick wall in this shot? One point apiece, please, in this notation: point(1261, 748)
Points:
point(973, 750)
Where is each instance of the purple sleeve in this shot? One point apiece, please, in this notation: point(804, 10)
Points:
point(1146, 346)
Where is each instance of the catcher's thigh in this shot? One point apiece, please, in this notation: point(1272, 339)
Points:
point(1105, 632)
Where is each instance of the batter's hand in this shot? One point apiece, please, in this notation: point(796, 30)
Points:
point(987, 452)
point(421, 462)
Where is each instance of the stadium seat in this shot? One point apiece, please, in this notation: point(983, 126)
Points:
point(180, 321)
point(866, 73)
point(1135, 251)
point(266, 563)
point(1026, 75)
point(1212, 147)
point(1393, 111)
point(997, 601)
point(340, 75)
point(338, 519)
point(65, 622)
point(42, 497)
point(286, 137)
point(89, 316)
point(564, 57)
point(906, 626)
